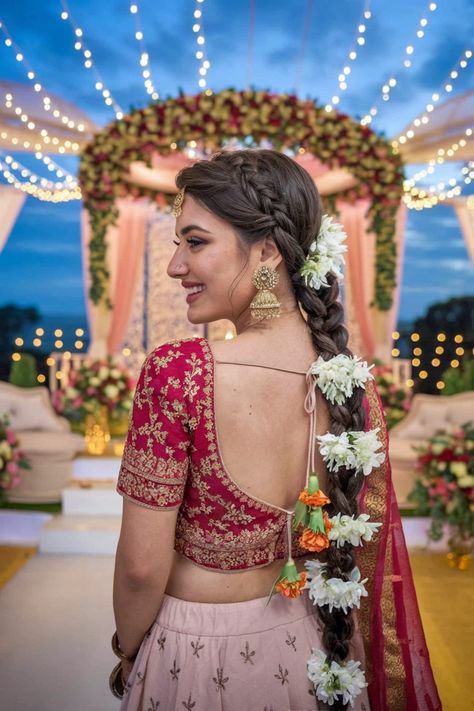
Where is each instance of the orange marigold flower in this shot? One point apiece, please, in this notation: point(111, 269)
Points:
point(327, 522)
point(314, 542)
point(291, 590)
point(319, 498)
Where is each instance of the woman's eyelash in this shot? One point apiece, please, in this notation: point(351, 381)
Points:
point(192, 242)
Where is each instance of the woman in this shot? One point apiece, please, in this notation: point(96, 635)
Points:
point(203, 542)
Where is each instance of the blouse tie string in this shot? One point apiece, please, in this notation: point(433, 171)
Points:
point(310, 407)
point(310, 400)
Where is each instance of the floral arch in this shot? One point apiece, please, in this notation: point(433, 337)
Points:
point(173, 132)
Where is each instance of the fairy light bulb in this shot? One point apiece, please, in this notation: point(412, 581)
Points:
point(198, 30)
point(385, 95)
point(88, 60)
point(351, 57)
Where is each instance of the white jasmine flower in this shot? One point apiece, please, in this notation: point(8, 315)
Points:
point(94, 381)
point(354, 450)
point(365, 446)
point(334, 592)
point(347, 529)
point(333, 680)
point(338, 376)
point(325, 254)
point(115, 373)
point(103, 373)
point(336, 451)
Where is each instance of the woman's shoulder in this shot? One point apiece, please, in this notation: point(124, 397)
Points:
point(178, 357)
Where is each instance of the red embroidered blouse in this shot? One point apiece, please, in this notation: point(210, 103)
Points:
point(171, 459)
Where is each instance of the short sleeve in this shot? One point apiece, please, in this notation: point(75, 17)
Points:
point(155, 461)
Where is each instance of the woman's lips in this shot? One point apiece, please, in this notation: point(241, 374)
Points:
point(191, 298)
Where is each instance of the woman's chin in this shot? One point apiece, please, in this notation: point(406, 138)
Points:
point(197, 319)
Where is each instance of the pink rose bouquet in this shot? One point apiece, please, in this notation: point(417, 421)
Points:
point(12, 458)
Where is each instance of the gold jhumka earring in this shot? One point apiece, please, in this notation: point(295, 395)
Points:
point(265, 305)
point(178, 203)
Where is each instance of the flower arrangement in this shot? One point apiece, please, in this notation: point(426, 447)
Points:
point(96, 384)
point(213, 119)
point(396, 400)
point(12, 458)
point(444, 488)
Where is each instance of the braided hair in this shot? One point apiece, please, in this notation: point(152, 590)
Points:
point(261, 193)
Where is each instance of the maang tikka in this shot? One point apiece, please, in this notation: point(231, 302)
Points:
point(265, 305)
point(178, 203)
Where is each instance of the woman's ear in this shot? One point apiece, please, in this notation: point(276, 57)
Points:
point(270, 255)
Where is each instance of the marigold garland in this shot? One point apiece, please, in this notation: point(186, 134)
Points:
point(250, 116)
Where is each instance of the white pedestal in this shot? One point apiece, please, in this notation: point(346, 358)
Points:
point(97, 499)
point(91, 511)
point(96, 468)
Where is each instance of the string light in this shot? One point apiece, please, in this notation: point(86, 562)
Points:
point(359, 41)
point(46, 190)
point(420, 198)
point(144, 58)
point(61, 147)
point(52, 166)
point(392, 81)
point(201, 54)
point(17, 112)
point(442, 155)
point(80, 46)
point(446, 87)
point(52, 110)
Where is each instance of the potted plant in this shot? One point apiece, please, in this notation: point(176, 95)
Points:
point(12, 459)
point(444, 489)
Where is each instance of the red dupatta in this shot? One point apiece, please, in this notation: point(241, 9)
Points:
point(397, 660)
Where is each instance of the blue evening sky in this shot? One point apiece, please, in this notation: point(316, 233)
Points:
point(41, 263)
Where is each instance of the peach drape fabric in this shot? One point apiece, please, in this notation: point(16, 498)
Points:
point(371, 328)
point(466, 222)
point(11, 202)
point(125, 249)
point(360, 265)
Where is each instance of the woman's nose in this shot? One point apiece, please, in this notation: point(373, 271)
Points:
point(176, 268)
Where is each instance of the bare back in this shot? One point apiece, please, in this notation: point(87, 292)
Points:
point(263, 439)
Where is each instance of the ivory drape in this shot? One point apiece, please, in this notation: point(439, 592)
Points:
point(11, 202)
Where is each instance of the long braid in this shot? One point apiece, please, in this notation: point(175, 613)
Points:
point(325, 316)
point(261, 193)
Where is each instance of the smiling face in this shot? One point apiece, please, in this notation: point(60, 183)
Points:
point(213, 265)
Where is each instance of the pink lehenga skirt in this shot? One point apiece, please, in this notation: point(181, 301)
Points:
point(241, 656)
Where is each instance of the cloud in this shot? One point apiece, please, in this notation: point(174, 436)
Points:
point(444, 264)
point(440, 290)
point(56, 248)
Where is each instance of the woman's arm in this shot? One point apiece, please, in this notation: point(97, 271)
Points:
point(142, 567)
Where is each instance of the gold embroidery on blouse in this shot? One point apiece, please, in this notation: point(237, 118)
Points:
point(160, 481)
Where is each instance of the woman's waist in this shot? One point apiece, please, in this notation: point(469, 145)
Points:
point(196, 583)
